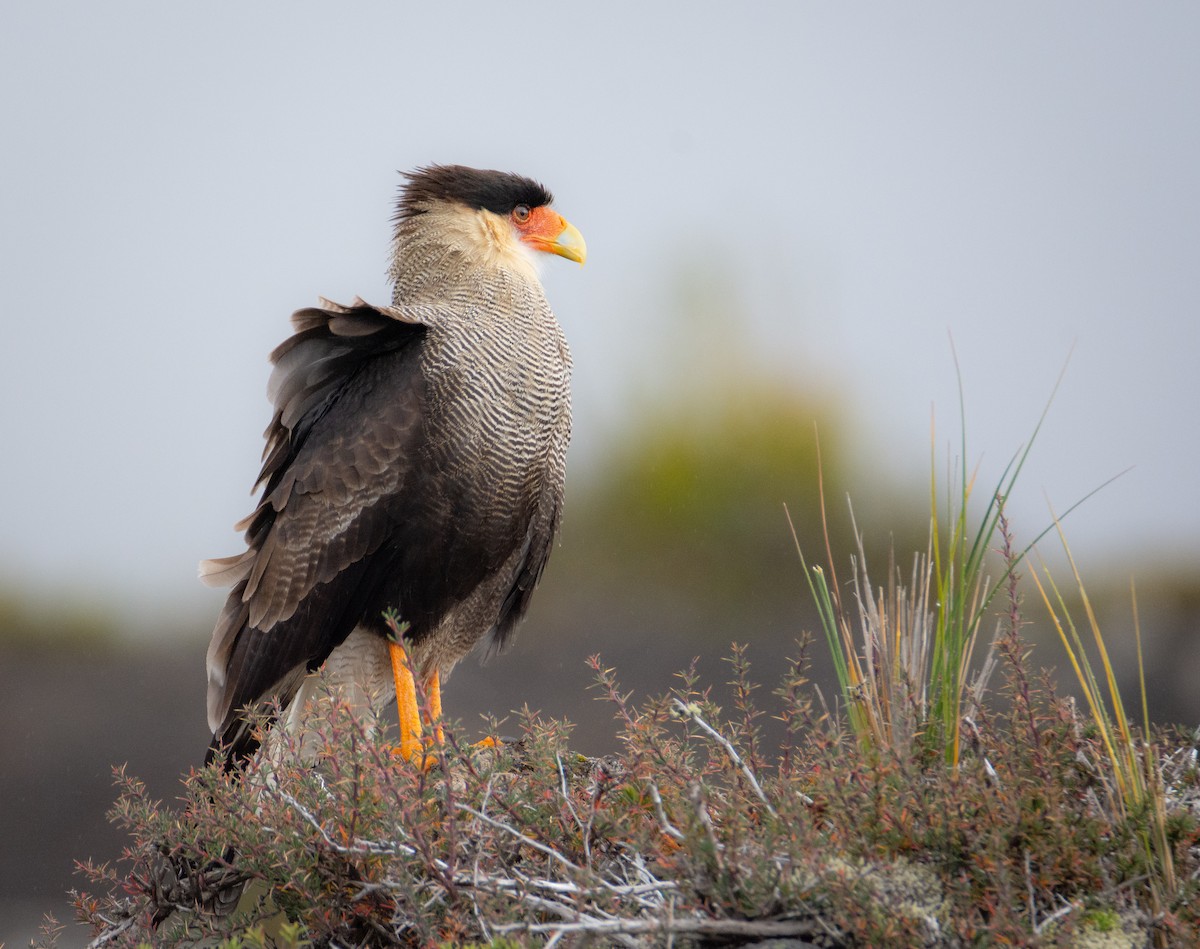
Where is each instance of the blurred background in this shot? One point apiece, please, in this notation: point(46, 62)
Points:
point(790, 213)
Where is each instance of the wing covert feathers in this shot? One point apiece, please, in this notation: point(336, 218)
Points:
point(329, 462)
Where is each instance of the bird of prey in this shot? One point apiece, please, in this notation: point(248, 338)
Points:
point(414, 463)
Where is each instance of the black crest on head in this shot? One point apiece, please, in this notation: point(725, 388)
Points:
point(496, 191)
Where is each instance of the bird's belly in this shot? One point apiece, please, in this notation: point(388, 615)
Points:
point(357, 672)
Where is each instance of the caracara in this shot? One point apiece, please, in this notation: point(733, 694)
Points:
point(414, 463)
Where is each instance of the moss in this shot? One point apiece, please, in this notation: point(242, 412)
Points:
point(1108, 929)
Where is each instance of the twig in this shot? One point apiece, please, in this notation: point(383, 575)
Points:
point(700, 926)
point(1055, 917)
point(667, 827)
point(1029, 893)
point(360, 845)
point(110, 934)
point(585, 830)
point(689, 711)
point(528, 841)
point(696, 795)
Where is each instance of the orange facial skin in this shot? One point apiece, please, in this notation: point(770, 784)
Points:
point(548, 231)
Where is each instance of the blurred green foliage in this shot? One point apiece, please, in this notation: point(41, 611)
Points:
point(683, 520)
point(693, 500)
point(31, 624)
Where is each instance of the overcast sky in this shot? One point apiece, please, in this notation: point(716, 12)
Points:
point(861, 180)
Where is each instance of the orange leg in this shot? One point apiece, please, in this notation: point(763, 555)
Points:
point(406, 702)
point(412, 721)
point(434, 691)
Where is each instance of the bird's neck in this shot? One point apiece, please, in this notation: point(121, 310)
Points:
point(436, 254)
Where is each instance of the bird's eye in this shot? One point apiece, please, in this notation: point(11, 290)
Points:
point(521, 213)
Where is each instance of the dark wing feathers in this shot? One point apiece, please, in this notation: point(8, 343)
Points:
point(353, 513)
point(533, 561)
point(312, 365)
point(330, 463)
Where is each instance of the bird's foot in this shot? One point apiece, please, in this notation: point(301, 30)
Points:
point(425, 752)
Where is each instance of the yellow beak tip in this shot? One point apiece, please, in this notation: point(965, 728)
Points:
point(570, 244)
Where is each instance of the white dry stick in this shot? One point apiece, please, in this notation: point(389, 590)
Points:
point(1029, 892)
point(110, 934)
point(667, 827)
point(1055, 917)
point(691, 712)
point(566, 793)
point(700, 926)
point(585, 830)
point(696, 794)
point(993, 778)
point(528, 841)
point(571, 914)
point(359, 845)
